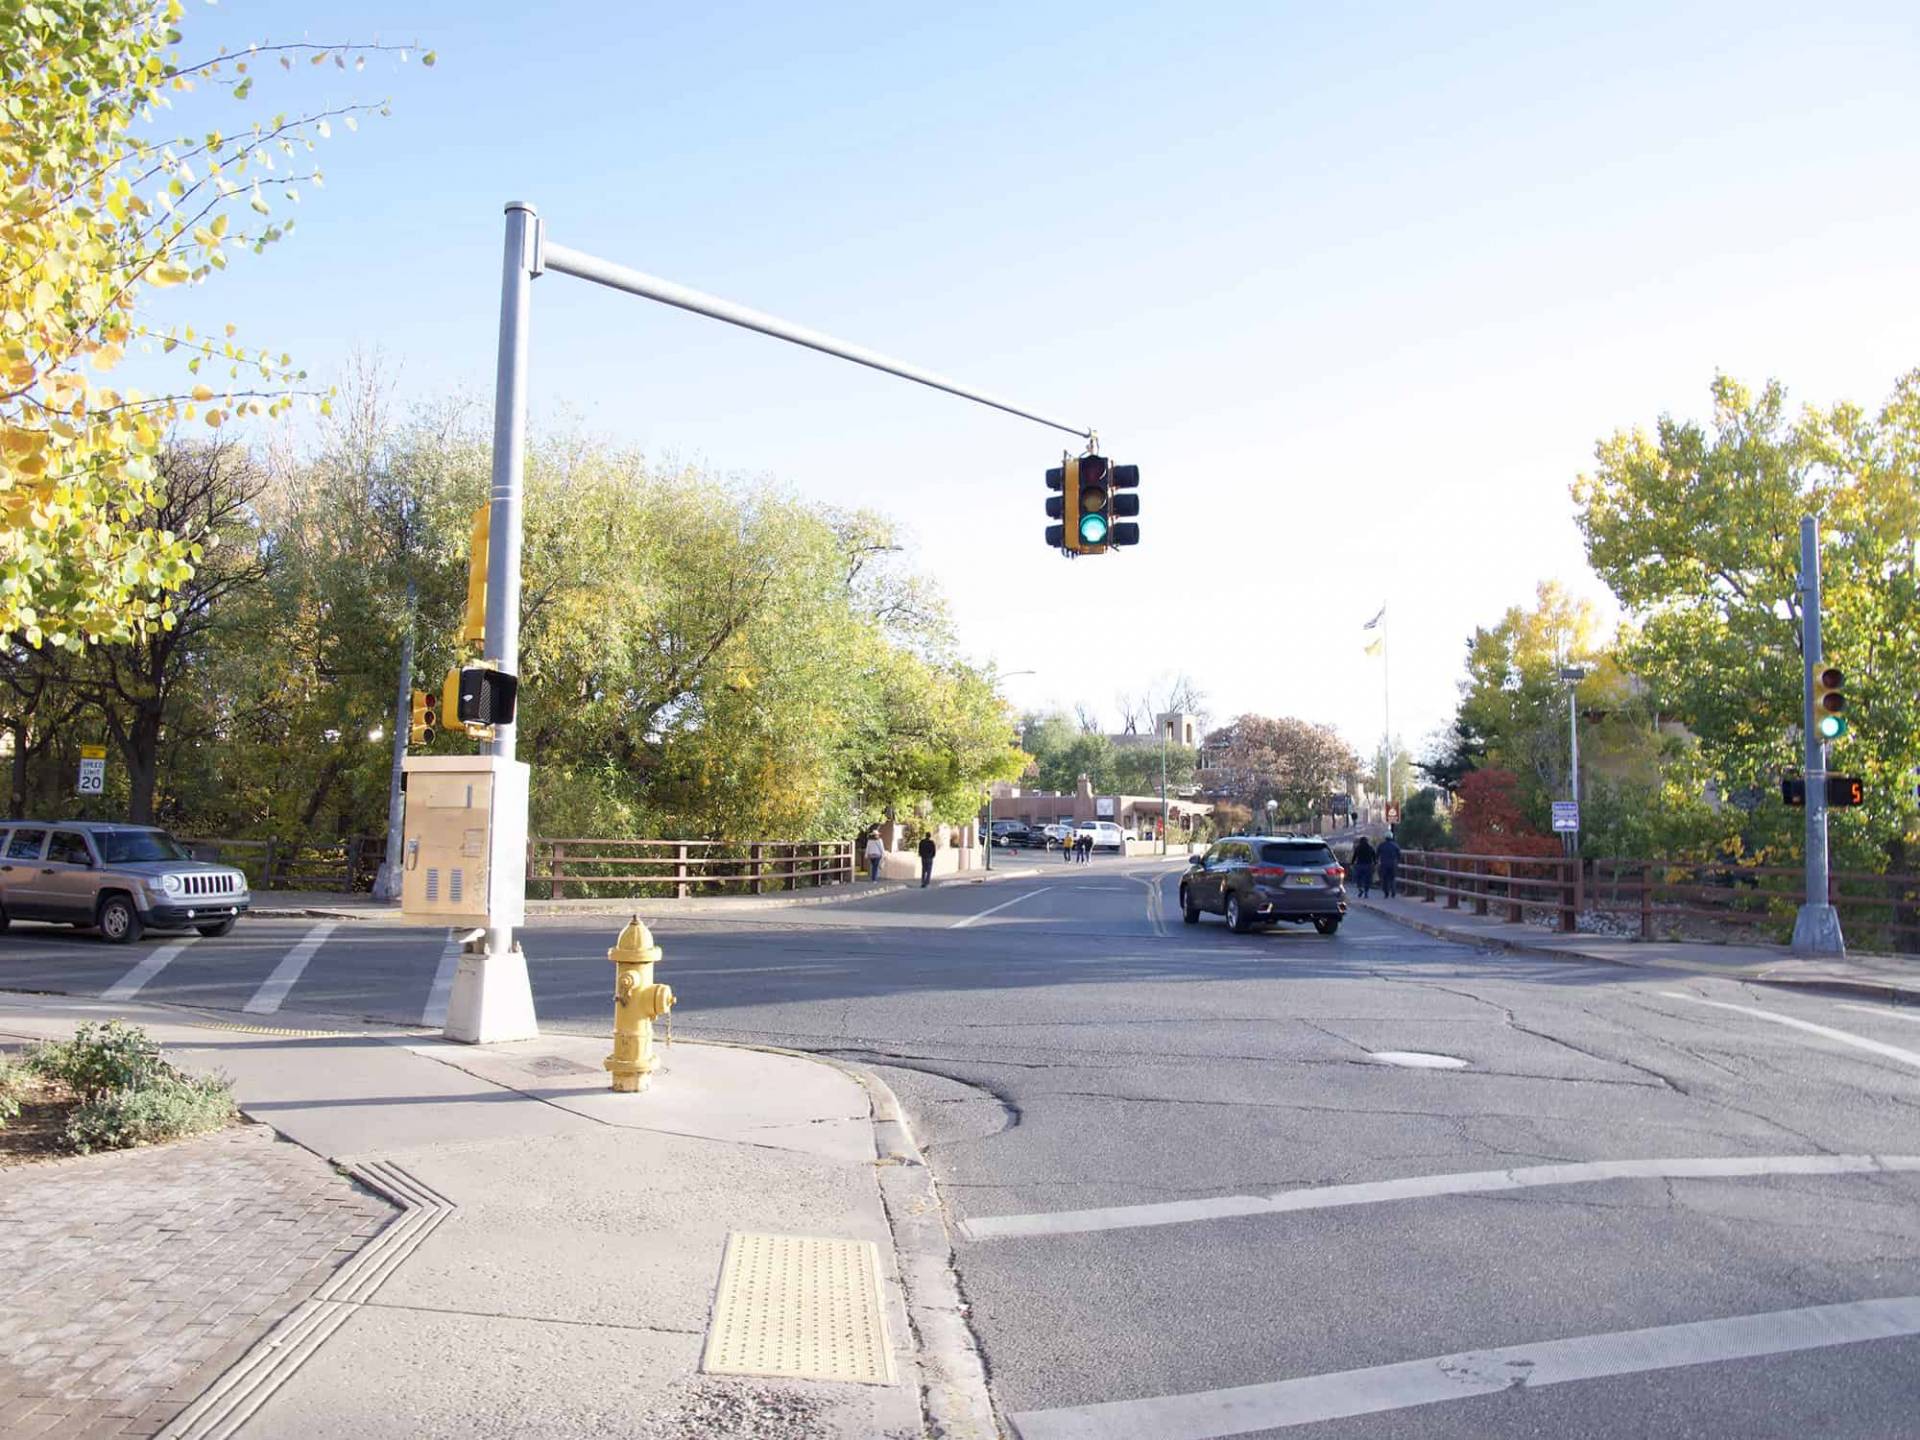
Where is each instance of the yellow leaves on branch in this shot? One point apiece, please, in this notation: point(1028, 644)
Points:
point(92, 217)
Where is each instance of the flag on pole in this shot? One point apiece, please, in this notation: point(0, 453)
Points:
point(1375, 621)
point(1374, 647)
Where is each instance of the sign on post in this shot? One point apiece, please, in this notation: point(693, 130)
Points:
point(1566, 816)
point(93, 769)
point(1103, 807)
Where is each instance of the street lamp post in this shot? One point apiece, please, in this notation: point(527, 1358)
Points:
point(1272, 807)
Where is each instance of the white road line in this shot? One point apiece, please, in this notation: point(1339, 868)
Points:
point(994, 909)
point(1315, 1398)
point(1883, 1011)
point(266, 1000)
point(131, 983)
point(435, 1015)
point(1423, 1187)
point(1844, 1037)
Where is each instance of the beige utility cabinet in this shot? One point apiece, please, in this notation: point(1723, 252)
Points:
point(464, 856)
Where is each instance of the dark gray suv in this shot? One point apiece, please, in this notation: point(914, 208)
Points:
point(119, 878)
point(1262, 879)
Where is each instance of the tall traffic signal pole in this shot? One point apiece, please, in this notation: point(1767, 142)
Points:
point(491, 998)
point(1816, 928)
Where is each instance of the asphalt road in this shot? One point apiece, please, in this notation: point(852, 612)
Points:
point(1749, 1266)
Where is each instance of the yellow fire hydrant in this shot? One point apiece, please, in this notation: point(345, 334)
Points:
point(637, 1000)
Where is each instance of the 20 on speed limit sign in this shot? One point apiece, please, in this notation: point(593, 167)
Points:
point(93, 769)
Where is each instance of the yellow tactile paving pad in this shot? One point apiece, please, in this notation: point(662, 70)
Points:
point(799, 1307)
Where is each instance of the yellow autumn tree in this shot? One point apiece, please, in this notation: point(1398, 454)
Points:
point(100, 204)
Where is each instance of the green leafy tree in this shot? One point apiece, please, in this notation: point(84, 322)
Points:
point(1695, 528)
point(1293, 762)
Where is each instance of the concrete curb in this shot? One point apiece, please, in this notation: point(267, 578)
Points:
point(955, 1403)
point(1886, 992)
point(226, 1406)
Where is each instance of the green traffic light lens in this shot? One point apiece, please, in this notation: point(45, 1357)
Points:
point(1093, 529)
point(1832, 727)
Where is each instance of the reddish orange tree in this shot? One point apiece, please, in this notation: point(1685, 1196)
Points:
point(1490, 820)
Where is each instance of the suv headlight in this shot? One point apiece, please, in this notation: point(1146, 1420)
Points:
point(171, 884)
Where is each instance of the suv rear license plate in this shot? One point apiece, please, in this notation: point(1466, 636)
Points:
point(1303, 879)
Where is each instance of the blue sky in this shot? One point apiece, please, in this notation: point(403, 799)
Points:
point(1357, 286)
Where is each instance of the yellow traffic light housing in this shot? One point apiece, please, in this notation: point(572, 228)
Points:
point(425, 723)
point(474, 630)
point(1093, 505)
point(1830, 703)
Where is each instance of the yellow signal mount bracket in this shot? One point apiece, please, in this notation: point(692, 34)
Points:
point(474, 630)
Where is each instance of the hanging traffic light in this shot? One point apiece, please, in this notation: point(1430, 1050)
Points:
point(426, 719)
point(1057, 504)
point(1125, 507)
point(1094, 525)
point(1829, 703)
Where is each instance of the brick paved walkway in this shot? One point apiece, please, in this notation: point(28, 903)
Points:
point(130, 1281)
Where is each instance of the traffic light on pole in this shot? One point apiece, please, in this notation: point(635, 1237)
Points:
point(1830, 703)
point(1093, 493)
point(1122, 479)
point(426, 719)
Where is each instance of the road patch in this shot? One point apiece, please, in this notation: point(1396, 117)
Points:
point(1844, 1037)
point(993, 909)
point(273, 990)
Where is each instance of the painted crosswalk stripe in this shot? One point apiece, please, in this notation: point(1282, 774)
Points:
point(1423, 1187)
point(1313, 1399)
point(1843, 1037)
point(131, 983)
point(266, 1000)
point(994, 909)
point(436, 1012)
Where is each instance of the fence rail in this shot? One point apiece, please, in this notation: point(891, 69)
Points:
point(683, 867)
point(1877, 912)
point(274, 864)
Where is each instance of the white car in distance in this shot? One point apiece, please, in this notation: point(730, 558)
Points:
point(1106, 835)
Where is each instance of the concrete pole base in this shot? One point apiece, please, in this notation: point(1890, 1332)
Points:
point(1816, 931)
point(492, 999)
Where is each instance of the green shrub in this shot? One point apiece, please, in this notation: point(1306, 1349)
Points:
point(165, 1109)
point(101, 1059)
point(127, 1091)
point(12, 1082)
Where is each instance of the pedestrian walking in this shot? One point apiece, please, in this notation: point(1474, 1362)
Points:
point(1388, 856)
point(1067, 847)
point(927, 851)
point(875, 850)
point(1084, 844)
point(1363, 858)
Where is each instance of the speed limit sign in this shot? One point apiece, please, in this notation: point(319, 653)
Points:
point(93, 769)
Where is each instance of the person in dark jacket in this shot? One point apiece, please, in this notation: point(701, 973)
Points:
point(927, 851)
point(1363, 858)
point(1389, 858)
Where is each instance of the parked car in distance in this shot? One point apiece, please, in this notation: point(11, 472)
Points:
point(1264, 879)
point(1106, 835)
point(1011, 832)
point(1054, 836)
point(120, 879)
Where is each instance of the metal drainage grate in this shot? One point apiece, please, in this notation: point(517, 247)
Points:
point(799, 1307)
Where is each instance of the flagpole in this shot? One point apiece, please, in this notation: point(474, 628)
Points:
point(1386, 702)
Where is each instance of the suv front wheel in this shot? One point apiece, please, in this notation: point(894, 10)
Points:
point(1189, 911)
point(119, 922)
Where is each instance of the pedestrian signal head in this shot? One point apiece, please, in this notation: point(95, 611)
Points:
point(1830, 703)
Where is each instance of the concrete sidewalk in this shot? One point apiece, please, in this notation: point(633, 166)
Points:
point(557, 1262)
point(1883, 977)
point(327, 905)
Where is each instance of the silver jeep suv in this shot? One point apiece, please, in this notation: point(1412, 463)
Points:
point(122, 879)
